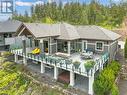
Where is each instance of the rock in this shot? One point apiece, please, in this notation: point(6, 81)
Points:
point(28, 92)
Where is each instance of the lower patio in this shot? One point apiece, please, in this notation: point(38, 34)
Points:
point(81, 82)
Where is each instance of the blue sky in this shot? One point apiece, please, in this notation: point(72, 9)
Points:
point(24, 5)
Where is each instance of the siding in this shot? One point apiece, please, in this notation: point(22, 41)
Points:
point(91, 44)
point(1, 40)
point(113, 50)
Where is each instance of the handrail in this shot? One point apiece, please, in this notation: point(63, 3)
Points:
point(64, 63)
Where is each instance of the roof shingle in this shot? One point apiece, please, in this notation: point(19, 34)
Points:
point(9, 26)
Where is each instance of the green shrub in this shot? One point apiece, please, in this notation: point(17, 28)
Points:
point(2, 59)
point(89, 64)
point(7, 64)
point(114, 90)
point(115, 66)
point(103, 84)
point(125, 49)
point(6, 54)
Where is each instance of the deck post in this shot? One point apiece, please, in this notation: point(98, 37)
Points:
point(91, 81)
point(24, 52)
point(55, 72)
point(49, 45)
point(42, 67)
point(33, 44)
point(72, 78)
point(16, 58)
point(101, 66)
point(42, 45)
point(69, 47)
point(82, 46)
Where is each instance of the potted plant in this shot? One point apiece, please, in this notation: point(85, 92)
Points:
point(76, 64)
point(89, 64)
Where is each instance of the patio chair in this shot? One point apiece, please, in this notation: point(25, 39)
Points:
point(86, 55)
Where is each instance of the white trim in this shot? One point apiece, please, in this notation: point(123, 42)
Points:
point(106, 45)
point(91, 43)
point(53, 43)
point(56, 72)
point(83, 48)
point(21, 31)
point(69, 47)
point(72, 79)
point(90, 85)
point(56, 46)
point(102, 46)
point(113, 42)
point(95, 44)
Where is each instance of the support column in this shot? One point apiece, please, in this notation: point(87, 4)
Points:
point(50, 41)
point(69, 47)
point(56, 46)
point(72, 78)
point(24, 53)
point(55, 73)
point(24, 60)
point(101, 65)
point(49, 45)
point(42, 45)
point(91, 81)
point(42, 67)
point(33, 44)
point(16, 58)
point(82, 45)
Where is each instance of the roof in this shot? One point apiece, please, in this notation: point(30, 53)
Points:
point(66, 31)
point(96, 32)
point(40, 30)
point(9, 26)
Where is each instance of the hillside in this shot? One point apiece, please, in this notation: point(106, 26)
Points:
point(123, 30)
point(15, 81)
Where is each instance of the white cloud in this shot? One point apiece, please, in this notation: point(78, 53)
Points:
point(38, 2)
point(20, 3)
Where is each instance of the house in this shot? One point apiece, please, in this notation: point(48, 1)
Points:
point(7, 30)
point(64, 50)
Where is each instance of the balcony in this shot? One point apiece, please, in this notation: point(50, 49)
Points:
point(66, 63)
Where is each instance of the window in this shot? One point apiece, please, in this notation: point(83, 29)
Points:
point(10, 35)
point(36, 43)
point(5, 35)
point(99, 46)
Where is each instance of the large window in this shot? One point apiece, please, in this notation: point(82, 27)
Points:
point(36, 43)
point(99, 46)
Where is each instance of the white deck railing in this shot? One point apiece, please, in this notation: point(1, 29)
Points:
point(63, 63)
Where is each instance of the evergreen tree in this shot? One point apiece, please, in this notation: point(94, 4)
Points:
point(108, 16)
point(125, 49)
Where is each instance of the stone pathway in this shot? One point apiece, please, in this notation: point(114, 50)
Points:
point(122, 82)
point(123, 87)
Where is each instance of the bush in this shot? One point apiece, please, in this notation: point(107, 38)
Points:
point(2, 60)
point(114, 90)
point(7, 64)
point(104, 84)
point(89, 64)
point(125, 49)
point(115, 66)
point(6, 54)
